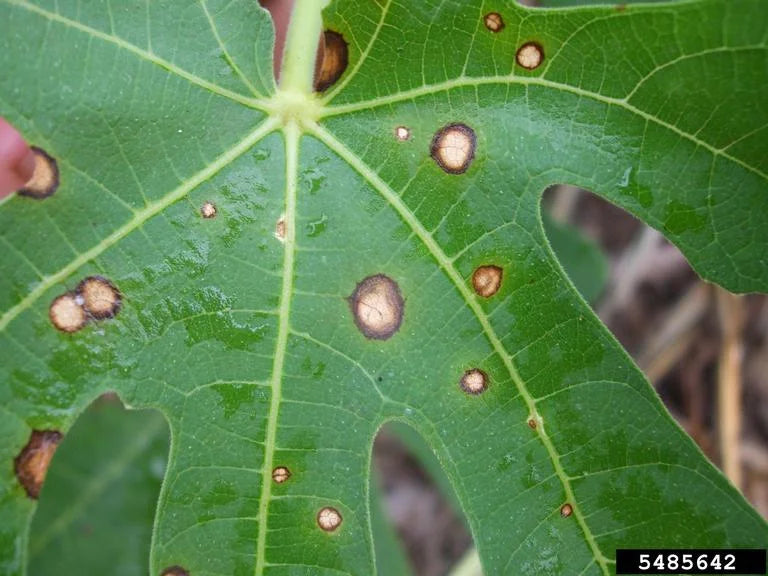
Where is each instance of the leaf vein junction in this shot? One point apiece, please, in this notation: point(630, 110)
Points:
point(444, 262)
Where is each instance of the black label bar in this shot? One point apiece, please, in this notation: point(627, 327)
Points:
point(691, 561)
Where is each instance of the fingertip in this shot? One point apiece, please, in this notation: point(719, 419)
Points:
point(17, 160)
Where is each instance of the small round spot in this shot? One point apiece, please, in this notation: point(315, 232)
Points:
point(453, 148)
point(474, 381)
point(486, 280)
point(45, 177)
point(31, 465)
point(530, 55)
point(174, 571)
point(280, 474)
point(566, 510)
point(377, 306)
point(329, 519)
point(208, 210)
point(280, 229)
point(494, 22)
point(100, 298)
point(402, 133)
point(532, 423)
point(66, 313)
point(335, 60)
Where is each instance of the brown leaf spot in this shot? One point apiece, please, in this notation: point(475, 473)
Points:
point(66, 313)
point(101, 299)
point(280, 474)
point(530, 55)
point(280, 229)
point(474, 381)
point(329, 519)
point(335, 60)
point(453, 148)
point(402, 133)
point(566, 510)
point(31, 465)
point(208, 210)
point(532, 423)
point(486, 280)
point(45, 178)
point(494, 22)
point(377, 306)
point(174, 571)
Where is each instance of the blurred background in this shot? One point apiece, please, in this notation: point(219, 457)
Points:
point(704, 350)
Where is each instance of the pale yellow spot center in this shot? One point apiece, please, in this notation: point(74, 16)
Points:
point(328, 519)
point(529, 56)
point(67, 314)
point(99, 297)
point(43, 177)
point(454, 149)
point(208, 210)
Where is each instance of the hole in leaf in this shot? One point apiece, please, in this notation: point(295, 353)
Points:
point(335, 59)
point(98, 503)
point(45, 178)
point(418, 524)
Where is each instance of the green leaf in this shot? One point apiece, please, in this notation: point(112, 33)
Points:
point(248, 343)
point(579, 256)
point(97, 506)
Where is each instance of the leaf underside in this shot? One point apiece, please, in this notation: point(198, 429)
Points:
point(248, 344)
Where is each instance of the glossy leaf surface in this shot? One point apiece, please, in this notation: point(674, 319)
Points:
point(240, 328)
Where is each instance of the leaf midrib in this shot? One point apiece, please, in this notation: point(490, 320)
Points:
point(446, 264)
point(141, 216)
point(292, 135)
point(327, 110)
